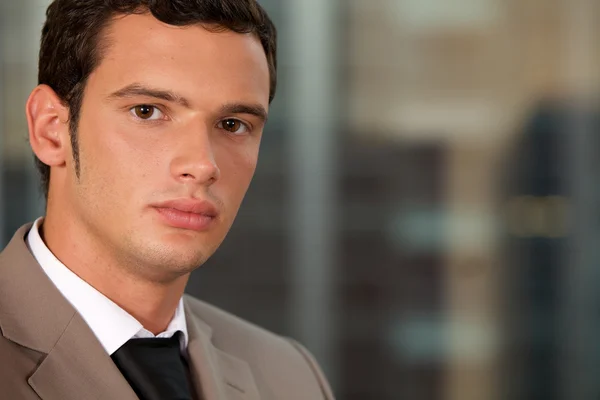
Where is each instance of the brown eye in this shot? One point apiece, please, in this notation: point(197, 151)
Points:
point(146, 112)
point(234, 126)
point(231, 125)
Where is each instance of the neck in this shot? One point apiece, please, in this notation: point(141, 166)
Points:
point(151, 301)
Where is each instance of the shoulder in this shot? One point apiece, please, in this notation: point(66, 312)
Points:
point(274, 359)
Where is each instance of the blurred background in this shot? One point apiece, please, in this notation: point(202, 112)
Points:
point(425, 214)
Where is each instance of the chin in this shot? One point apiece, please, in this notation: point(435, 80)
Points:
point(169, 267)
point(184, 259)
point(178, 256)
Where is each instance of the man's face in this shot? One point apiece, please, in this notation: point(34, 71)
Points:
point(169, 134)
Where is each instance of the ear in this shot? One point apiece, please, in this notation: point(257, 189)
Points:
point(48, 121)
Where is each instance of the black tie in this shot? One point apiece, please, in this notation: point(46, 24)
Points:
point(154, 368)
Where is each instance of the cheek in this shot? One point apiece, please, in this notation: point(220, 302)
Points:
point(113, 166)
point(121, 149)
point(237, 169)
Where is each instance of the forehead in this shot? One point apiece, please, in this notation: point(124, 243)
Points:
point(191, 59)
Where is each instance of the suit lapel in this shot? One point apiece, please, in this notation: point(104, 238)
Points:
point(78, 367)
point(35, 315)
point(216, 375)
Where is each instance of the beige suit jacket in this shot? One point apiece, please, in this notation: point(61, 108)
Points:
point(48, 352)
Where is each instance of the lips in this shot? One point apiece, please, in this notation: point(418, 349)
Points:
point(187, 214)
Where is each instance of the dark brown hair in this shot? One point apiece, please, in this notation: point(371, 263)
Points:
point(72, 45)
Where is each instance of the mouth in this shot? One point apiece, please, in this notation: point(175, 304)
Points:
point(187, 214)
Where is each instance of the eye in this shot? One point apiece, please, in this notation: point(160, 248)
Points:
point(146, 112)
point(234, 126)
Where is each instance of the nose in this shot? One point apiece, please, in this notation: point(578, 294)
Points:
point(195, 161)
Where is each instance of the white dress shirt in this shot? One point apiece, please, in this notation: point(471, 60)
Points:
point(112, 325)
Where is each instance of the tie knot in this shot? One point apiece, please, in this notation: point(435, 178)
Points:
point(138, 344)
point(154, 368)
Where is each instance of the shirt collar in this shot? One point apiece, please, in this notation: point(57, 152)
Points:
point(112, 325)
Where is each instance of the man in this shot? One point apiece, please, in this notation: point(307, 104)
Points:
point(146, 128)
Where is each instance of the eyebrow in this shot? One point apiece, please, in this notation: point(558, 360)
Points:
point(137, 89)
point(251, 109)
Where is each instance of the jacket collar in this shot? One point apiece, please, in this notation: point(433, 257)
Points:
point(216, 374)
